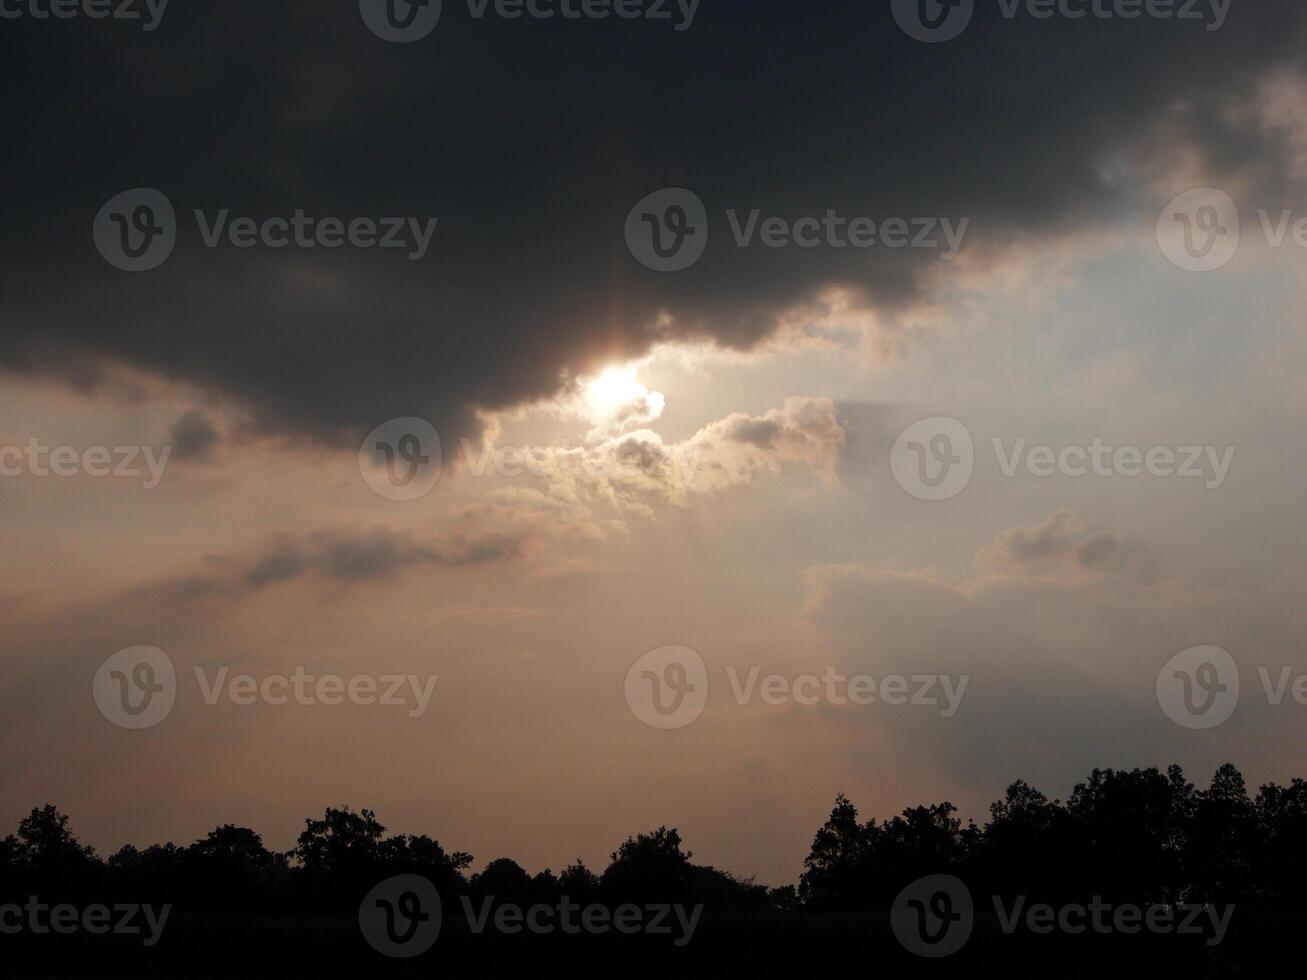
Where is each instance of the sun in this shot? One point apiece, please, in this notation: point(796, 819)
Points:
point(612, 389)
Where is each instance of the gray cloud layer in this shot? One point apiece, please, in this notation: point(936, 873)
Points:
point(530, 141)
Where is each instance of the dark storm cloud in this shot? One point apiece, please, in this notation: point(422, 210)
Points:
point(194, 436)
point(530, 141)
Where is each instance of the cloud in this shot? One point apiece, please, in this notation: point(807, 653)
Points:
point(731, 451)
point(1061, 642)
point(631, 473)
point(1066, 541)
point(337, 556)
point(616, 403)
point(194, 437)
point(528, 281)
point(376, 553)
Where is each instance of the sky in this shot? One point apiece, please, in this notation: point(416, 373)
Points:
point(603, 368)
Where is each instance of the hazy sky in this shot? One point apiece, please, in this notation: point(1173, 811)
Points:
point(714, 461)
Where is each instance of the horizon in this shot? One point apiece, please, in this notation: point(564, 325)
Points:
point(478, 865)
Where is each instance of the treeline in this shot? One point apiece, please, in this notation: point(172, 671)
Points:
point(1143, 836)
point(336, 860)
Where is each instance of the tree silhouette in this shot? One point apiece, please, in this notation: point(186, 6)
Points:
point(836, 866)
point(504, 879)
point(1223, 840)
point(1141, 836)
point(341, 843)
point(48, 847)
point(649, 868)
point(578, 882)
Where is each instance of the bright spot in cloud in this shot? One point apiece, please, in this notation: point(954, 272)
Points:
point(615, 401)
point(615, 388)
